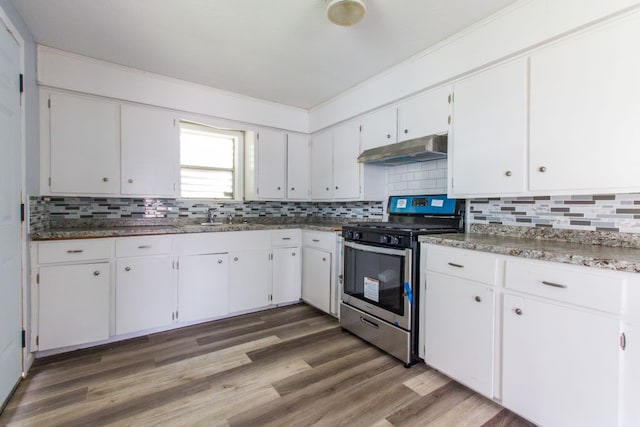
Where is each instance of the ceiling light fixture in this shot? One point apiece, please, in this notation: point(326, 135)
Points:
point(346, 12)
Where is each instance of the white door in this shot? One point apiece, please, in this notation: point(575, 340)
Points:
point(346, 169)
point(298, 167)
point(249, 280)
point(10, 193)
point(424, 115)
point(272, 157)
point(321, 165)
point(316, 278)
point(203, 287)
point(286, 275)
point(379, 128)
point(150, 151)
point(488, 144)
point(85, 145)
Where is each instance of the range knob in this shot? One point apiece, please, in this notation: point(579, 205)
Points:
point(357, 235)
point(395, 240)
point(384, 239)
point(348, 234)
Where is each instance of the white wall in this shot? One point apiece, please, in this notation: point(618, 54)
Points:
point(521, 26)
point(64, 70)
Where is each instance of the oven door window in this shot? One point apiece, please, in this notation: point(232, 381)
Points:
point(376, 278)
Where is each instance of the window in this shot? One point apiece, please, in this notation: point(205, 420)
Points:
point(209, 162)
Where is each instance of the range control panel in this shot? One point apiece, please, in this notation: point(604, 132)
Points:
point(426, 205)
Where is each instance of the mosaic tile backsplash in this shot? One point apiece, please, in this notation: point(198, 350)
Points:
point(45, 210)
point(609, 212)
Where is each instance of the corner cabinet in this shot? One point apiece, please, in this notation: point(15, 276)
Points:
point(488, 140)
point(82, 137)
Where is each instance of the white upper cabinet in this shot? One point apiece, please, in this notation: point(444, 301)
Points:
point(379, 128)
point(298, 167)
point(423, 115)
point(272, 158)
point(321, 165)
point(150, 151)
point(346, 169)
point(584, 111)
point(488, 140)
point(84, 145)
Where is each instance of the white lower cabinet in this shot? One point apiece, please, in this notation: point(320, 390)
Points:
point(316, 277)
point(560, 364)
point(249, 279)
point(286, 275)
point(203, 287)
point(459, 330)
point(73, 303)
point(145, 293)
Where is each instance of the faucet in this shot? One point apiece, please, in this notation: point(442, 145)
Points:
point(230, 219)
point(212, 215)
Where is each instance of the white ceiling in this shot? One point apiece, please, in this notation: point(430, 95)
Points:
point(278, 50)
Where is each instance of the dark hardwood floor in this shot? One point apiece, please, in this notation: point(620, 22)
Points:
point(291, 366)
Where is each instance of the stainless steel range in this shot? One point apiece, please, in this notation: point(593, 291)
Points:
point(381, 271)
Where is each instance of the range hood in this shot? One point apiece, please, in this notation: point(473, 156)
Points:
point(432, 147)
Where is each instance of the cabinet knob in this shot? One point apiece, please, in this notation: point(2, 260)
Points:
point(542, 168)
point(324, 259)
point(105, 179)
point(96, 273)
point(127, 268)
point(327, 188)
point(406, 131)
point(293, 254)
point(130, 181)
point(336, 187)
point(508, 173)
point(278, 188)
point(293, 188)
point(219, 261)
point(518, 311)
point(388, 136)
point(235, 258)
point(477, 298)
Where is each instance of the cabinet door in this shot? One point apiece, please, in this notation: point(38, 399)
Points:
point(145, 293)
point(272, 157)
point(203, 287)
point(630, 375)
point(488, 144)
point(316, 278)
point(321, 165)
point(346, 169)
point(584, 111)
point(426, 114)
point(249, 280)
point(286, 275)
point(379, 128)
point(560, 365)
point(85, 145)
point(459, 330)
point(298, 167)
point(150, 152)
point(73, 305)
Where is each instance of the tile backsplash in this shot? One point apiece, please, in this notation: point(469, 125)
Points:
point(43, 210)
point(418, 178)
point(609, 212)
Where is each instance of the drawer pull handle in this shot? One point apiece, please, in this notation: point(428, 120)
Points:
point(477, 298)
point(144, 247)
point(315, 240)
point(286, 238)
point(127, 268)
point(452, 264)
point(96, 273)
point(555, 285)
point(75, 251)
point(518, 311)
point(369, 323)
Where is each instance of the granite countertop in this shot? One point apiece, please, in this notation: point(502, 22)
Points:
point(624, 257)
point(104, 229)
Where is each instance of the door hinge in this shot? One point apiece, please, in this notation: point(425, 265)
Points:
point(176, 314)
point(24, 338)
point(49, 181)
point(37, 339)
point(270, 258)
point(623, 341)
point(360, 128)
point(270, 297)
point(257, 190)
point(22, 213)
point(257, 135)
point(177, 268)
point(38, 278)
point(49, 103)
point(21, 83)
point(173, 316)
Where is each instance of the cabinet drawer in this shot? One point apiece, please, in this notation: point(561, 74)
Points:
point(463, 263)
point(584, 286)
point(321, 240)
point(141, 246)
point(285, 238)
point(74, 250)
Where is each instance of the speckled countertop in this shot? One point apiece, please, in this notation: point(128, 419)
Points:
point(569, 247)
point(105, 228)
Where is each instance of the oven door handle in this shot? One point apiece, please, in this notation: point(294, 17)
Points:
point(377, 249)
point(369, 323)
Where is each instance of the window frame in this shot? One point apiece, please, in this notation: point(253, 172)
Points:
point(238, 161)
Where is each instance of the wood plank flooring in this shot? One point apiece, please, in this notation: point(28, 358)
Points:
point(291, 366)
